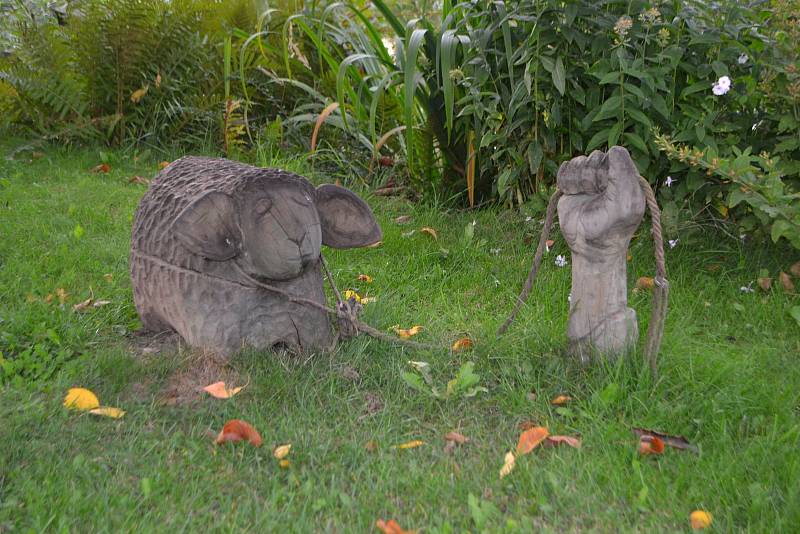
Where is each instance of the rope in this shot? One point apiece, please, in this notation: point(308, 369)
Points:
point(655, 330)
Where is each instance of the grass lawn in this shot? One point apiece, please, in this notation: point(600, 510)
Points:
point(730, 383)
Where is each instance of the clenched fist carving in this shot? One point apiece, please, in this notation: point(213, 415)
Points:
point(601, 207)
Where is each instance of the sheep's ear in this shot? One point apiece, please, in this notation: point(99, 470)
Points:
point(347, 221)
point(209, 227)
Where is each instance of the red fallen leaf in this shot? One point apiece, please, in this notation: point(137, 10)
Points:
point(676, 442)
point(238, 430)
point(650, 445)
point(103, 167)
point(531, 438)
point(391, 527)
point(553, 441)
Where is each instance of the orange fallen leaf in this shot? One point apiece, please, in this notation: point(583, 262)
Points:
point(219, 391)
point(282, 451)
point(391, 527)
point(456, 437)
point(531, 438)
point(365, 278)
point(786, 282)
point(650, 445)
point(238, 430)
point(163, 165)
point(573, 442)
point(408, 332)
point(676, 442)
point(462, 344)
point(561, 400)
point(430, 231)
point(549, 244)
point(103, 167)
point(645, 282)
point(410, 444)
point(700, 519)
point(508, 464)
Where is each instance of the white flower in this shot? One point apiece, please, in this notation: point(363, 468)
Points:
point(528, 219)
point(673, 243)
point(669, 181)
point(747, 288)
point(495, 251)
point(561, 261)
point(743, 59)
point(722, 86)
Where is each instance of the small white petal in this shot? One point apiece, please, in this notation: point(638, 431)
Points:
point(673, 243)
point(743, 59)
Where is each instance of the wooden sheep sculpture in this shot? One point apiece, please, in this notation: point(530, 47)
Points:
point(207, 229)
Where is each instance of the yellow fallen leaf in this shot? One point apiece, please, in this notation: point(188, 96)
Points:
point(219, 391)
point(352, 294)
point(408, 332)
point(508, 464)
point(81, 399)
point(560, 400)
point(138, 94)
point(700, 519)
point(430, 231)
point(365, 278)
point(106, 411)
point(367, 300)
point(410, 444)
point(284, 464)
point(282, 451)
point(462, 344)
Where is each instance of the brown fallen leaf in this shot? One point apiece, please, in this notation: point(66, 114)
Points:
point(765, 283)
point(650, 445)
point(49, 298)
point(676, 442)
point(700, 519)
point(403, 219)
point(138, 94)
point(713, 267)
point(163, 165)
point(645, 282)
point(786, 282)
point(238, 430)
point(455, 437)
point(561, 400)
point(83, 305)
point(365, 278)
point(408, 332)
point(410, 444)
point(138, 180)
point(391, 527)
point(531, 438)
point(430, 231)
point(553, 441)
point(508, 464)
point(103, 167)
point(462, 344)
point(795, 269)
point(219, 391)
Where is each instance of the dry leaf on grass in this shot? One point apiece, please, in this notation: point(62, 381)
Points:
point(391, 527)
point(645, 282)
point(795, 269)
point(786, 282)
point(508, 464)
point(676, 442)
point(430, 231)
point(700, 519)
point(561, 400)
point(282, 451)
point(549, 244)
point(456, 437)
point(371, 445)
point(407, 332)
point(105, 411)
point(62, 295)
point(365, 278)
point(238, 430)
point(219, 391)
point(464, 343)
point(531, 438)
point(103, 167)
point(350, 294)
point(284, 464)
point(650, 445)
point(403, 219)
point(138, 180)
point(138, 94)
point(553, 441)
point(765, 283)
point(410, 444)
point(81, 399)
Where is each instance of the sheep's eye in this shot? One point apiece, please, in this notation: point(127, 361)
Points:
point(263, 207)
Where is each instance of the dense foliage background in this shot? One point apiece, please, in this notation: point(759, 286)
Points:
point(466, 102)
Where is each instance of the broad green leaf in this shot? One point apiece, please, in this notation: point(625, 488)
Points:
point(559, 76)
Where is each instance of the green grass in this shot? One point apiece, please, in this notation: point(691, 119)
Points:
point(730, 382)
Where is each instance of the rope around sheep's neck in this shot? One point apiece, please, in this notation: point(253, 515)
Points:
point(655, 330)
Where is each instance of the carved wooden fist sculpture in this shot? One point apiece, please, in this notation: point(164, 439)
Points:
point(601, 207)
point(207, 228)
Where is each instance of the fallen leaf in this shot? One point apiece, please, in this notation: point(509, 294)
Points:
point(103, 167)
point(795, 269)
point(62, 295)
point(410, 444)
point(456, 438)
point(408, 332)
point(108, 277)
point(531, 438)
point(158, 80)
point(508, 464)
point(650, 445)
point(561, 400)
point(115, 413)
point(765, 283)
point(430, 231)
point(371, 445)
point(284, 464)
point(391, 527)
point(138, 94)
point(49, 298)
point(645, 282)
point(83, 305)
point(101, 303)
point(404, 219)
point(138, 180)
point(37, 155)
point(238, 430)
point(462, 344)
point(549, 244)
point(700, 519)
point(409, 233)
point(219, 391)
point(786, 282)
point(376, 244)
point(163, 165)
point(365, 278)
point(573, 442)
point(676, 442)
point(629, 256)
point(282, 451)
point(81, 399)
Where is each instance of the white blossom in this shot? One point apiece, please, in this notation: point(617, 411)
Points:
point(669, 181)
point(743, 59)
point(561, 261)
point(722, 86)
point(673, 243)
point(747, 288)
